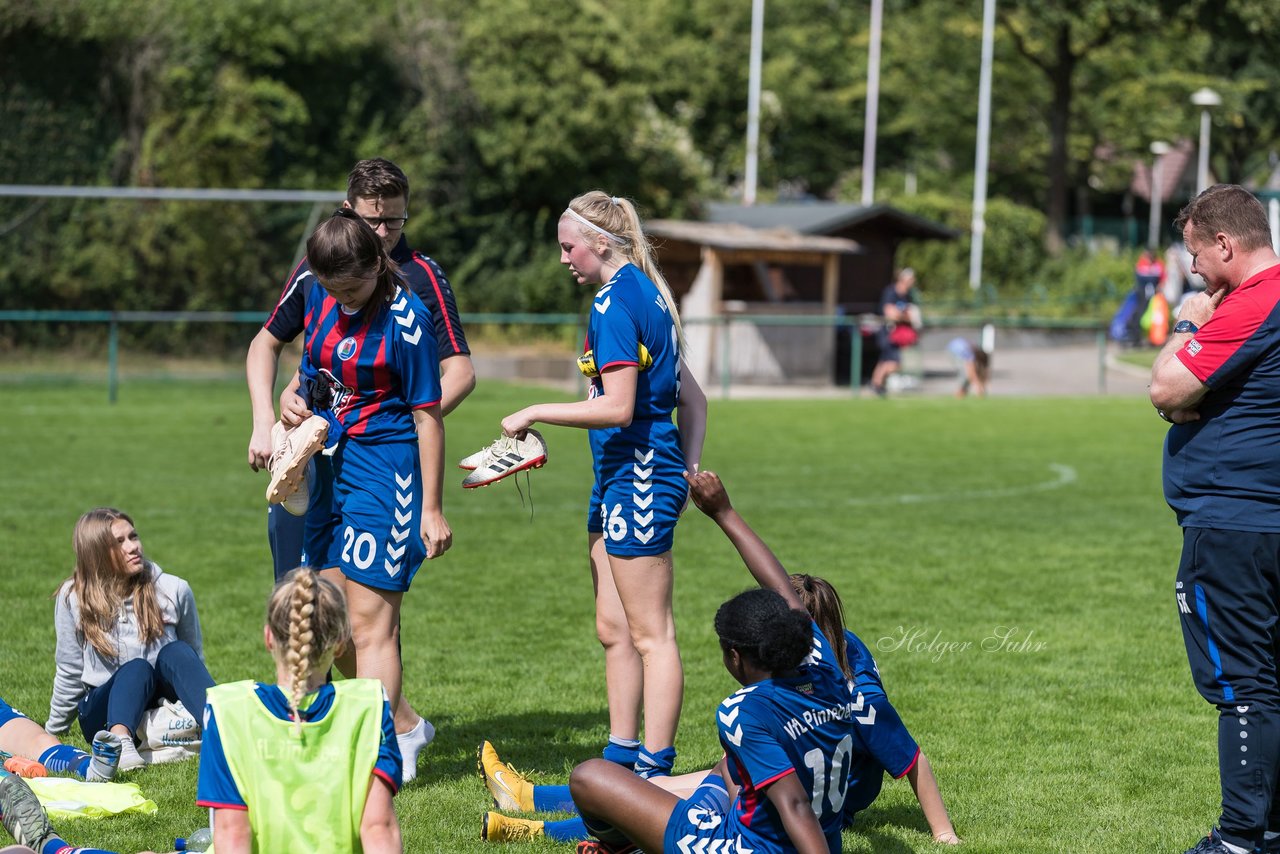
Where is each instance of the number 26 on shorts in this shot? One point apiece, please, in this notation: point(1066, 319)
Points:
point(615, 526)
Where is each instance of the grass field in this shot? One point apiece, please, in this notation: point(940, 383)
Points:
point(947, 526)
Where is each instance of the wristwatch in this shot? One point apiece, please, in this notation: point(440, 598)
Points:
point(1185, 326)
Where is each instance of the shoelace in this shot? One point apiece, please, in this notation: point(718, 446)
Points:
point(501, 445)
point(528, 482)
point(281, 452)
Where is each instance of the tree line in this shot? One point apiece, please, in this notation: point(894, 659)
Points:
point(501, 110)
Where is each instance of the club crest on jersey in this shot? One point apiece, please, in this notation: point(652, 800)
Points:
point(346, 348)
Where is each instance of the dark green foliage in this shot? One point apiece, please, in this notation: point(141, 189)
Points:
point(502, 110)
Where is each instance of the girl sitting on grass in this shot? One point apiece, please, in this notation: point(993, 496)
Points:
point(128, 636)
point(302, 765)
point(889, 746)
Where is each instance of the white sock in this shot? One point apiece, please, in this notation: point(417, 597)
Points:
point(411, 744)
point(129, 757)
point(1234, 849)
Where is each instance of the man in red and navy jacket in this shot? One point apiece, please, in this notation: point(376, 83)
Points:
point(1217, 380)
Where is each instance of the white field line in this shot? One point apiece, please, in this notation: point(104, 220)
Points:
point(1063, 476)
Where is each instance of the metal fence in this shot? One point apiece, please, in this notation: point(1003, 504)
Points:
point(721, 327)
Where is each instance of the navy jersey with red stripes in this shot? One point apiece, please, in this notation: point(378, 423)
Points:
point(425, 278)
point(800, 725)
point(1218, 471)
point(379, 363)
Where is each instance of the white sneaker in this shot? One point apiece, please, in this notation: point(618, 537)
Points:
point(130, 759)
point(507, 456)
point(291, 449)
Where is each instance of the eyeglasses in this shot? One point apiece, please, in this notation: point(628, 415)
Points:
point(392, 223)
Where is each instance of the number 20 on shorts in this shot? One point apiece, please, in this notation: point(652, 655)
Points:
point(358, 550)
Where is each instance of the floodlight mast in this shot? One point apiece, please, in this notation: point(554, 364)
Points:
point(753, 103)
point(873, 106)
point(979, 224)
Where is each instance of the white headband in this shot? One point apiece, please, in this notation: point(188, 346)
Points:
point(597, 229)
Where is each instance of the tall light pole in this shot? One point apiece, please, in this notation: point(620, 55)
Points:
point(753, 102)
point(1206, 99)
point(873, 107)
point(1159, 148)
point(979, 225)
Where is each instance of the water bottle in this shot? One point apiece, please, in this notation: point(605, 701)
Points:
point(201, 840)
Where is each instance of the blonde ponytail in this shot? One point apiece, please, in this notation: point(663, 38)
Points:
point(617, 219)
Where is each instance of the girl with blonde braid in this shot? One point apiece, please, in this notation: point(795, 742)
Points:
point(633, 358)
point(302, 765)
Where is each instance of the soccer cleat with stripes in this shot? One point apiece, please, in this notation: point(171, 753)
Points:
point(496, 827)
point(292, 448)
point(507, 456)
point(511, 790)
point(21, 813)
point(471, 462)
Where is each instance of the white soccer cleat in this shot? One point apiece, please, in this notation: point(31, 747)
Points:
point(507, 456)
point(471, 462)
point(291, 450)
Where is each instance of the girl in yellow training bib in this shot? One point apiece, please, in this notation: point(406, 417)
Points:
point(301, 766)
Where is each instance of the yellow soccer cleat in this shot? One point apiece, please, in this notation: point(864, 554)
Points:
point(501, 828)
point(510, 789)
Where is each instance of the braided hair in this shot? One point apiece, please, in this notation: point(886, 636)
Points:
point(764, 629)
point(307, 616)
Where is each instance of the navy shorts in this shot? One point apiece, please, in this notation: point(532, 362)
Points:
point(638, 494)
point(704, 815)
point(366, 514)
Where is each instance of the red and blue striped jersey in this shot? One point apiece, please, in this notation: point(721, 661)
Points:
point(1218, 471)
point(380, 364)
point(424, 277)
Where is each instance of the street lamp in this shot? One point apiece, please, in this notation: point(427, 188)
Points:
point(1206, 99)
point(1159, 148)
